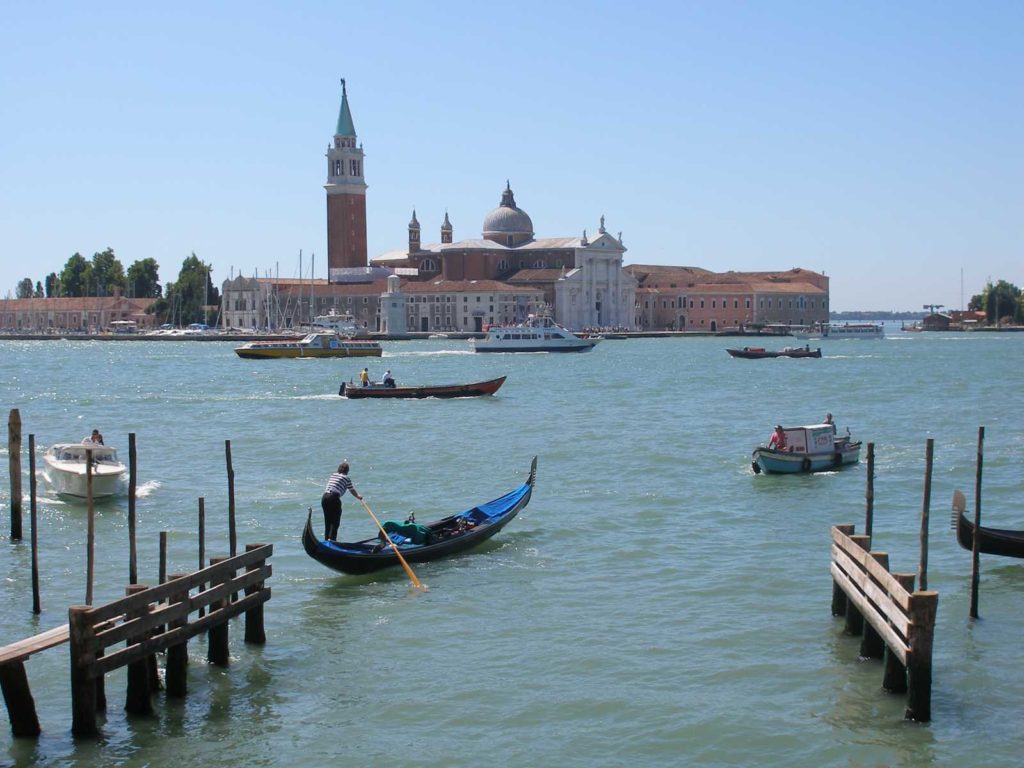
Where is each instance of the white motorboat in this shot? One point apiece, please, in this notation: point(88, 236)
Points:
point(343, 324)
point(844, 331)
point(537, 334)
point(64, 469)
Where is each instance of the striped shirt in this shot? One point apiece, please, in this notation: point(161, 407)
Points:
point(337, 484)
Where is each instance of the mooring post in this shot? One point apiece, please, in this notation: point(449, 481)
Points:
point(854, 618)
point(14, 462)
point(232, 535)
point(919, 661)
point(838, 596)
point(895, 678)
point(871, 644)
point(82, 641)
point(162, 572)
point(177, 655)
point(975, 552)
point(21, 707)
point(33, 523)
point(90, 539)
point(217, 636)
point(254, 632)
point(133, 571)
point(869, 494)
point(138, 700)
point(202, 546)
point(922, 571)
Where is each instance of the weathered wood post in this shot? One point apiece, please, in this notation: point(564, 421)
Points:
point(254, 632)
point(839, 600)
point(919, 661)
point(14, 462)
point(232, 537)
point(975, 552)
point(202, 546)
point(895, 678)
point(33, 523)
point(871, 644)
point(154, 670)
point(854, 618)
point(217, 636)
point(138, 700)
point(82, 639)
point(869, 494)
point(21, 707)
point(177, 655)
point(162, 571)
point(133, 570)
point(90, 539)
point(922, 572)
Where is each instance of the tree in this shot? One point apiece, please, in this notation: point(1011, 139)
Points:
point(143, 280)
point(186, 296)
point(75, 277)
point(39, 291)
point(1000, 302)
point(51, 285)
point(24, 288)
point(107, 273)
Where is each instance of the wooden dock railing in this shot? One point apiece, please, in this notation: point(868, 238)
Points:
point(896, 622)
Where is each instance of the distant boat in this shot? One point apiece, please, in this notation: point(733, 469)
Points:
point(537, 334)
point(844, 331)
point(312, 345)
point(356, 391)
point(340, 323)
point(759, 352)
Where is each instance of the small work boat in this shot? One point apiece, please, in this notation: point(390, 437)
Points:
point(319, 344)
point(64, 470)
point(812, 448)
point(753, 353)
point(537, 334)
point(421, 543)
point(356, 392)
point(991, 541)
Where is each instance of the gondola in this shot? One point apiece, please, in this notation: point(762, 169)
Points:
point(355, 391)
point(448, 536)
point(991, 541)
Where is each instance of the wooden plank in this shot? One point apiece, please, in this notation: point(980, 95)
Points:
point(867, 563)
point(885, 606)
point(892, 640)
point(22, 649)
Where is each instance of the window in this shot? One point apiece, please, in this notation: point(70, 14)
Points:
point(735, 303)
point(702, 306)
point(502, 265)
point(748, 303)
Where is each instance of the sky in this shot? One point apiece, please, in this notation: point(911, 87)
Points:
point(877, 142)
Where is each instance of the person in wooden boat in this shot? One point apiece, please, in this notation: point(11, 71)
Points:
point(337, 484)
point(95, 438)
point(778, 439)
point(388, 380)
point(828, 420)
point(364, 377)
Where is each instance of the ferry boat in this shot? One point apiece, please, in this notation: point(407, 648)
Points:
point(311, 345)
point(844, 331)
point(64, 470)
point(537, 334)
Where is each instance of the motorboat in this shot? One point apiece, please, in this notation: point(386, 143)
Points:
point(844, 331)
point(754, 353)
point(537, 334)
point(318, 344)
point(341, 323)
point(379, 390)
point(64, 470)
point(812, 448)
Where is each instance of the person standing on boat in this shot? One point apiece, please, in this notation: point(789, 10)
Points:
point(337, 484)
point(828, 420)
point(364, 377)
point(95, 437)
point(778, 439)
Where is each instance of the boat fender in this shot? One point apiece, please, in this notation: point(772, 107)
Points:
point(805, 465)
point(756, 467)
point(837, 460)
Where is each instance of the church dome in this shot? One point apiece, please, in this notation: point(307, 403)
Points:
point(507, 219)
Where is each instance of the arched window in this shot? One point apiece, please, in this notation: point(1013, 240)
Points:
point(503, 265)
point(540, 264)
point(337, 167)
point(428, 265)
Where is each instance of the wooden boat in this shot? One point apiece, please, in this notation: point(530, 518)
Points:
point(356, 392)
point(991, 541)
point(753, 353)
point(447, 536)
point(321, 344)
point(812, 448)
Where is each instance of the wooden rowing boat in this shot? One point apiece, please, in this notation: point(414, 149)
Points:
point(476, 389)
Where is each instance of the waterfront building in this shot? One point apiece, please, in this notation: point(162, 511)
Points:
point(86, 314)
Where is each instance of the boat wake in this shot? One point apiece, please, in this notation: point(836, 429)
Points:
point(146, 488)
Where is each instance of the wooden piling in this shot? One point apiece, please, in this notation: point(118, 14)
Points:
point(975, 552)
point(217, 636)
point(176, 673)
point(839, 600)
point(232, 537)
point(138, 700)
point(895, 678)
point(254, 632)
point(162, 573)
point(922, 571)
point(90, 539)
point(21, 707)
point(919, 661)
point(82, 639)
point(871, 644)
point(854, 618)
point(33, 523)
point(202, 545)
point(869, 494)
point(14, 463)
point(133, 570)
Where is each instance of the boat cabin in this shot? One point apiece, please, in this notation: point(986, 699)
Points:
point(75, 452)
point(814, 438)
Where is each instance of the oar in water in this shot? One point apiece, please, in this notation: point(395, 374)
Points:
point(412, 576)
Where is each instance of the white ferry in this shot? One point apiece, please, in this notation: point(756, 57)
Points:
point(844, 331)
point(537, 334)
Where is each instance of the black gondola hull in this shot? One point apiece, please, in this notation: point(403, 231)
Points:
point(991, 541)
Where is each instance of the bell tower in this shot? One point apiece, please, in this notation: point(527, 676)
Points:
point(346, 194)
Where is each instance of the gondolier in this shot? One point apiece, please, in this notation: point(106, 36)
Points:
point(337, 484)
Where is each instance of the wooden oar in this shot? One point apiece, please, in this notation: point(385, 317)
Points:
point(412, 576)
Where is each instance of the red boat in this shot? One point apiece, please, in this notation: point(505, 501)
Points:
point(355, 391)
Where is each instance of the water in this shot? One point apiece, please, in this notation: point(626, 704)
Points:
point(655, 604)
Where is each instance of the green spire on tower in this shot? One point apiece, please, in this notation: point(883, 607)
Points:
point(345, 126)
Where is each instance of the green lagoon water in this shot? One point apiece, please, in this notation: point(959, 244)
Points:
point(656, 604)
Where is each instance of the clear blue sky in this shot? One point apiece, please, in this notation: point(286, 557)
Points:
point(880, 143)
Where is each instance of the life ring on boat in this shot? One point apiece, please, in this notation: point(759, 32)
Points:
point(837, 459)
point(805, 465)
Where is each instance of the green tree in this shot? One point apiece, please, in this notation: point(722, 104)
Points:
point(143, 280)
point(51, 285)
point(107, 274)
point(75, 277)
point(1001, 302)
point(186, 296)
point(39, 291)
point(25, 288)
